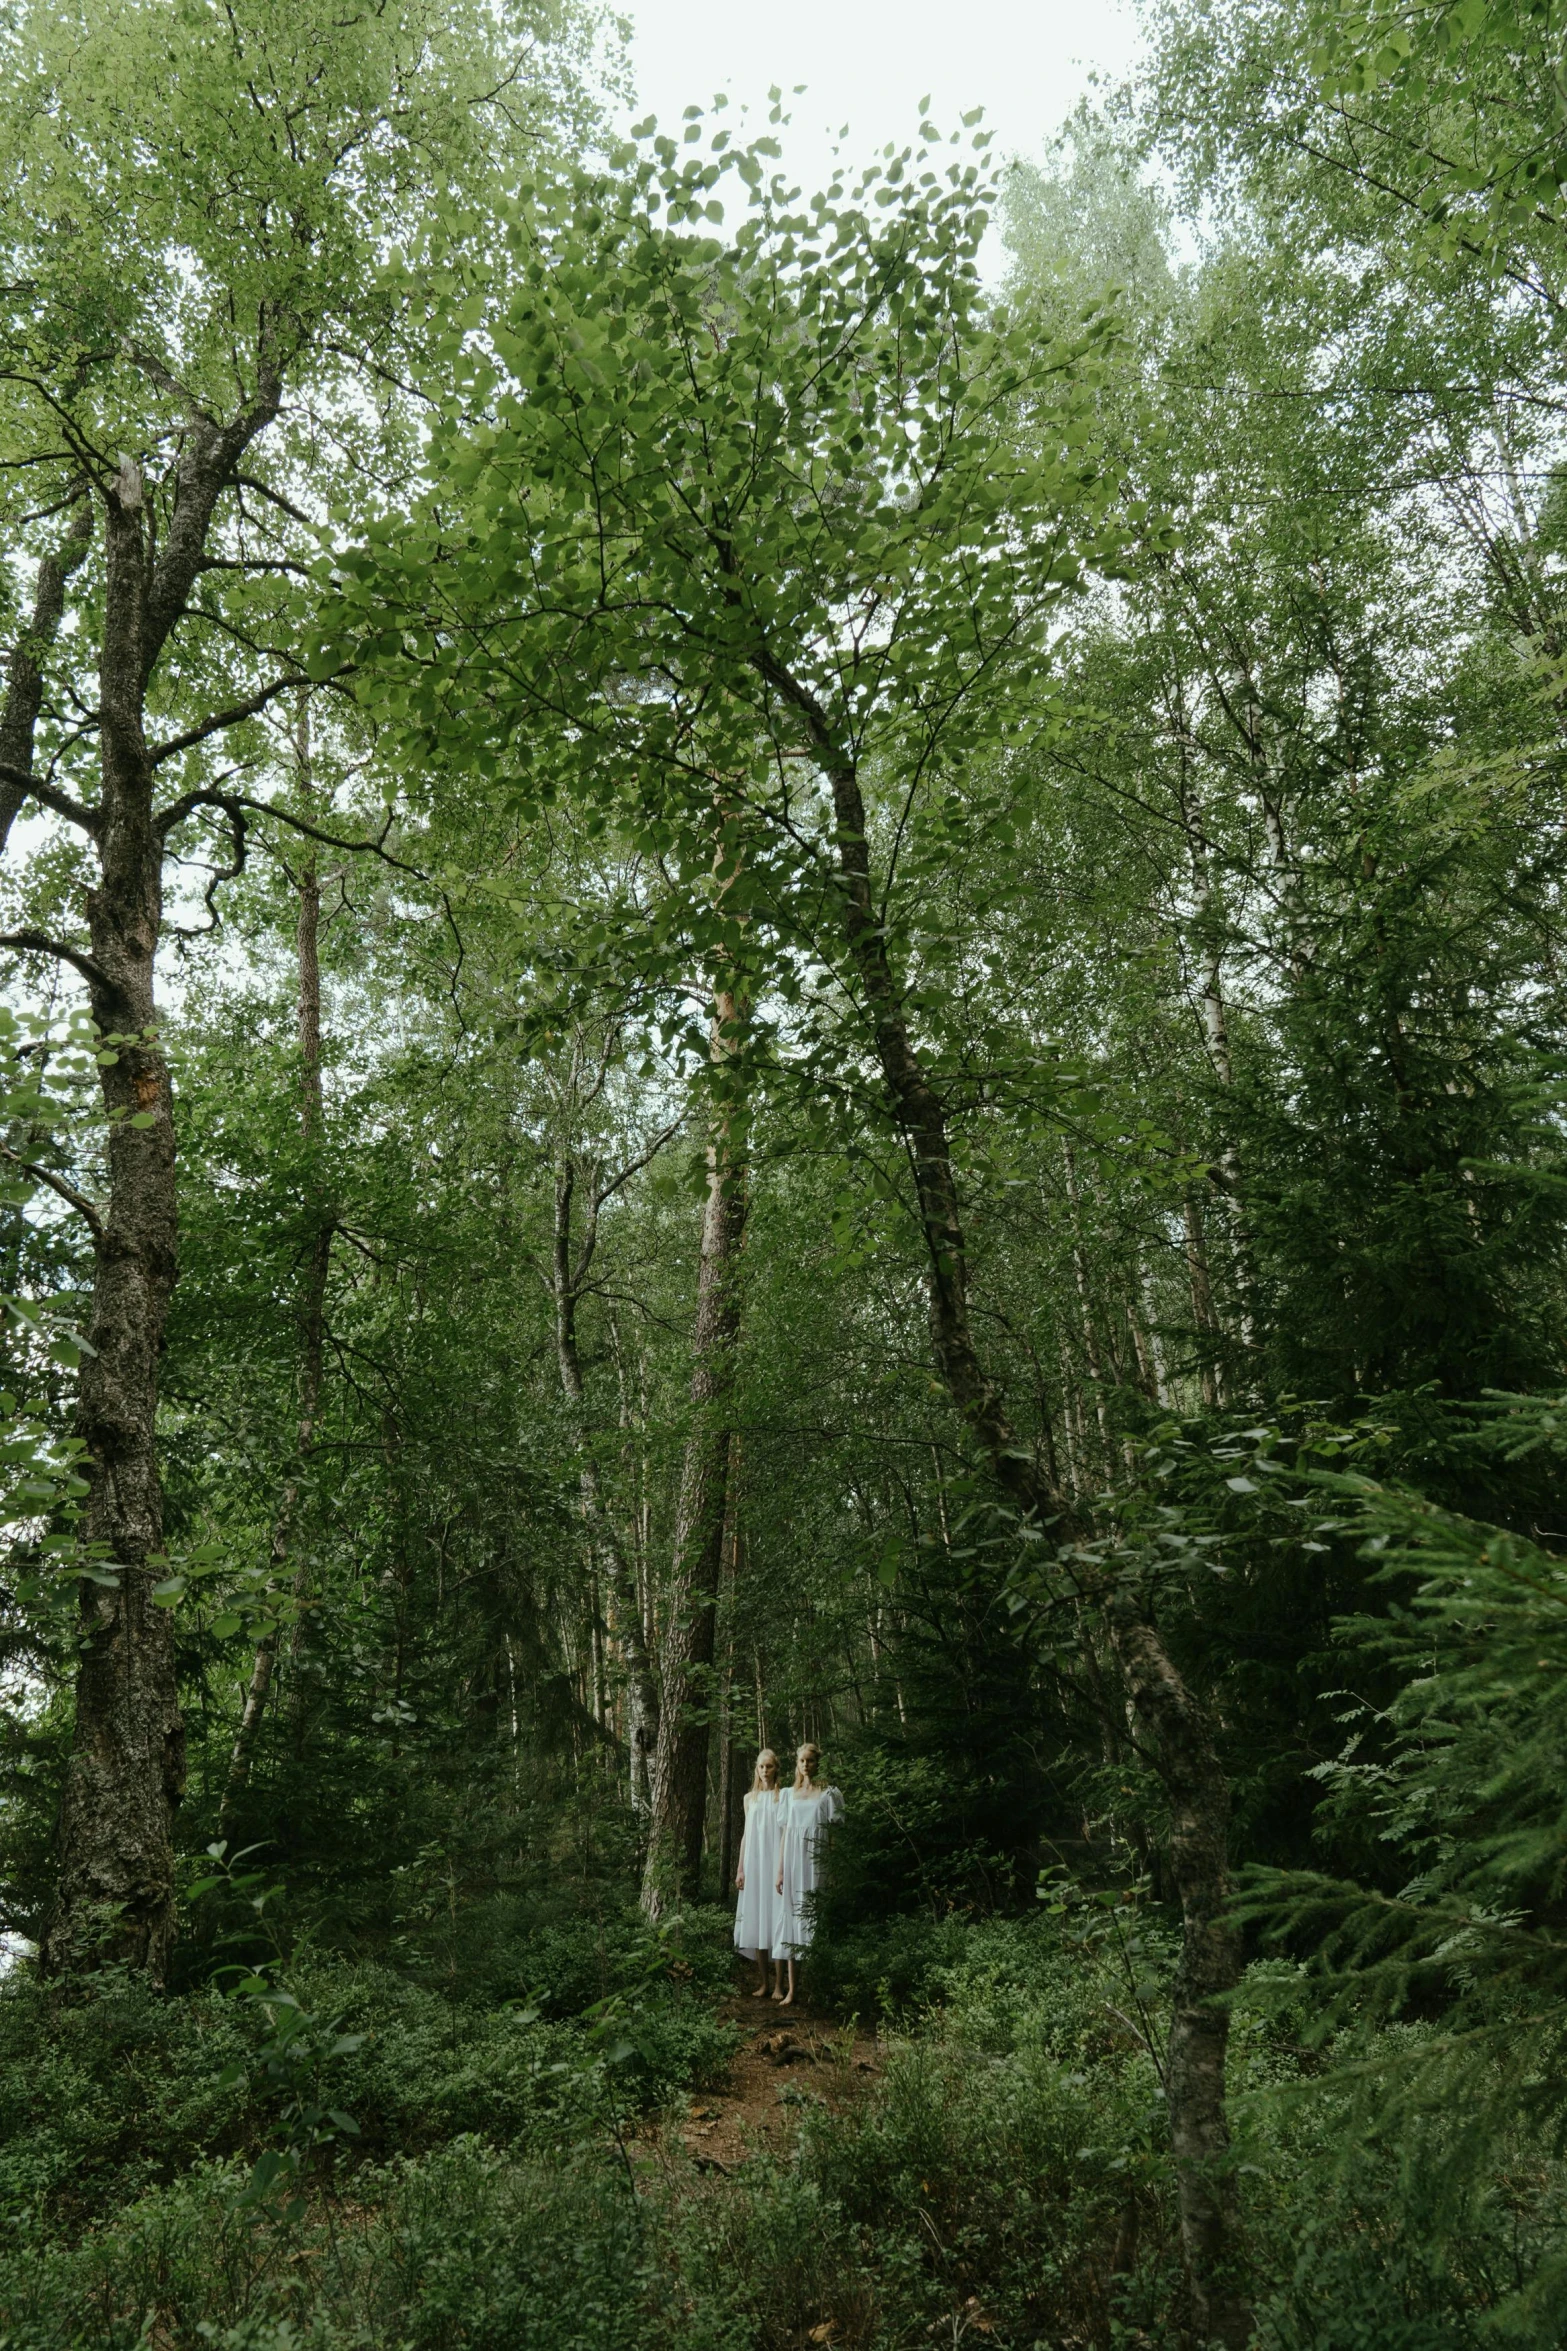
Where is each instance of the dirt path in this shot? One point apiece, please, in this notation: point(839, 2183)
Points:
point(789, 2059)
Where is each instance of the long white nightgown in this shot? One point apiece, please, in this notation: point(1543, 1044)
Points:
point(803, 1822)
point(756, 1910)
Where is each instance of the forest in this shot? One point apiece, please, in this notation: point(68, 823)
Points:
point(783, 967)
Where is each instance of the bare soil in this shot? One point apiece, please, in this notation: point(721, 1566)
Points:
point(789, 2059)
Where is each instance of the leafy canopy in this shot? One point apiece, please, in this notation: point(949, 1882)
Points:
point(709, 517)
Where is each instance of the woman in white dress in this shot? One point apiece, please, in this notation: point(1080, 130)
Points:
point(757, 1876)
point(805, 1813)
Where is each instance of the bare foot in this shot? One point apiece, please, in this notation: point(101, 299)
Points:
point(759, 1992)
point(784, 1999)
point(777, 1995)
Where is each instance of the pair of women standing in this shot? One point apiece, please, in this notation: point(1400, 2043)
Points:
point(780, 1864)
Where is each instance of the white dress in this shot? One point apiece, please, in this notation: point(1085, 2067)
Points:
point(757, 1909)
point(803, 1822)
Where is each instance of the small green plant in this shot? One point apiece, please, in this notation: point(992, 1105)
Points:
point(295, 2057)
point(1125, 1948)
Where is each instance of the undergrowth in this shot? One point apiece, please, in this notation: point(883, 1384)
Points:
point(505, 2187)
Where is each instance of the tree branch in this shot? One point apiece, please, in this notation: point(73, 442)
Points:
point(56, 1183)
point(40, 943)
point(248, 481)
point(239, 823)
point(221, 719)
point(255, 563)
point(232, 802)
point(635, 1166)
point(25, 668)
point(28, 786)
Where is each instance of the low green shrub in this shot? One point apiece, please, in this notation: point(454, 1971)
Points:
point(761, 2262)
point(104, 2096)
point(1005, 2180)
point(471, 2253)
point(118, 2089)
point(891, 1970)
point(566, 1968)
point(1024, 2182)
point(463, 2250)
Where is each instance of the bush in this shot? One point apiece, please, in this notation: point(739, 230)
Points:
point(473, 2254)
point(464, 2251)
point(118, 2090)
point(107, 2095)
point(566, 1969)
point(1006, 2178)
point(767, 2261)
point(891, 1970)
point(1020, 2182)
point(1013, 2167)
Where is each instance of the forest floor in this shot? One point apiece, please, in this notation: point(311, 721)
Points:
point(789, 2059)
point(990, 2168)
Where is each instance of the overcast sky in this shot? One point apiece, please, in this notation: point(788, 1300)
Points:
point(868, 63)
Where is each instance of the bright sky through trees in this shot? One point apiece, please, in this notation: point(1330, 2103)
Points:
point(868, 63)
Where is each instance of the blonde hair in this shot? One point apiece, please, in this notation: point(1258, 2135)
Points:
point(805, 1772)
point(758, 1784)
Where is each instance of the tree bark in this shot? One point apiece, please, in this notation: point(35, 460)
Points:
point(312, 1310)
point(114, 1893)
point(24, 690)
point(570, 1264)
point(641, 1724)
point(1178, 1735)
point(1146, 1341)
point(730, 1780)
point(1205, 1320)
point(680, 1758)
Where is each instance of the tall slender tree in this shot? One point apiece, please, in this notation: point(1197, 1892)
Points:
point(289, 1547)
point(799, 510)
point(688, 1697)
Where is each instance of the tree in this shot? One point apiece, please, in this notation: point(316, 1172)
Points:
point(679, 1781)
point(795, 510)
point(197, 209)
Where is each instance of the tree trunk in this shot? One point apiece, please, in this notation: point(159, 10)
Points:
point(641, 1707)
point(1204, 1318)
point(730, 1782)
point(680, 1757)
point(762, 1739)
point(611, 1571)
point(1177, 1738)
point(24, 691)
point(1147, 1342)
point(312, 1317)
point(1213, 930)
point(1085, 1307)
point(114, 1894)
point(1177, 1733)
